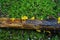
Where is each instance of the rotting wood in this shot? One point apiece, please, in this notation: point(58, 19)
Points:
point(6, 22)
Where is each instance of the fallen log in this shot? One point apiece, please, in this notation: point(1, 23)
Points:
point(29, 24)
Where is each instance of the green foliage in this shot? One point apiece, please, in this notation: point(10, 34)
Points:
point(58, 4)
point(18, 34)
point(37, 8)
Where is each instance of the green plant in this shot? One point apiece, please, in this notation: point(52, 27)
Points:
point(37, 8)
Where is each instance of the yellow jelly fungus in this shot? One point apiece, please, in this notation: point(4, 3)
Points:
point(32, 18)
point(41, 19)
point(58, 19)
point(48, 31)
point(24, 18)
point(38, 30)
point(12, 19)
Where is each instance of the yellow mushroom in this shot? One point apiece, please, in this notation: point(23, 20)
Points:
point(24, 18)
point(48, 31)
point(41, 19)
point(38, 30)
point(12, 19)
point(58, 19)
point(32, 18)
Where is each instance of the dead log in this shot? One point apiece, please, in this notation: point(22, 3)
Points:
point(27, 24)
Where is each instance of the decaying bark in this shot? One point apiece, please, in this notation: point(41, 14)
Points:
point(28, 24)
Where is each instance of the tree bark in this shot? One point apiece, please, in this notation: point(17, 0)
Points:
point(6, 22)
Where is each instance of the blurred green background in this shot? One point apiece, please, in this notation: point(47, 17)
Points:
point(37, 8)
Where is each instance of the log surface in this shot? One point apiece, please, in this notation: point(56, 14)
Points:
point(28, 24)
